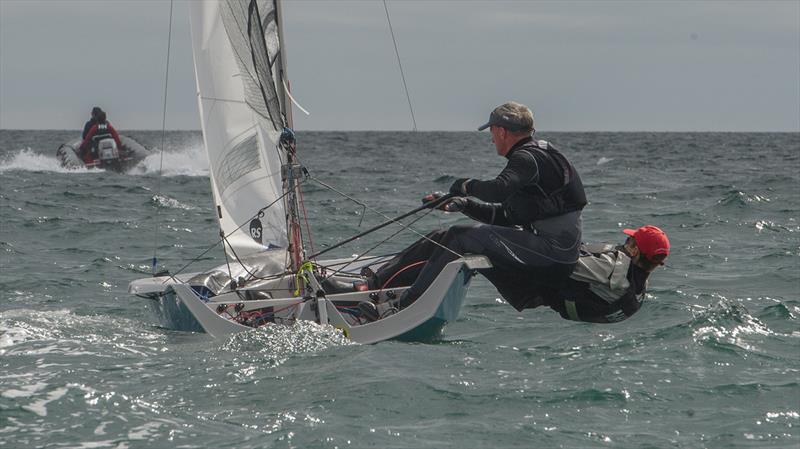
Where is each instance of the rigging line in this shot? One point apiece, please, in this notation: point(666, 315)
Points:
point(386, 240)
point(364, 207)
point(331, 265)
point(172, 276)
point(308, 226)
point(228, 262)
point(402, 75)
point(261, 211)
point(163, 139)
point(430, 205)
point(222, 100)
point(233, 251)
point(239, 260)
point(361, 256)
point(379, 213)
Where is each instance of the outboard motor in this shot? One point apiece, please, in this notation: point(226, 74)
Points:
point(107, 150)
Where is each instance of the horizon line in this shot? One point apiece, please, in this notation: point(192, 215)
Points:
point(442, 130)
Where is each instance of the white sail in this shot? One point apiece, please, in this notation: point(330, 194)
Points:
point(237, 62)
point(240, 66)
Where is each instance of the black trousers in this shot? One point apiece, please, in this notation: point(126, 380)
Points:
point(527, 267)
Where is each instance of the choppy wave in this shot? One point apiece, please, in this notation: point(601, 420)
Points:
point(781, 310)
point(189, 162)
point(83, 365)
point(739, 198)
point(28, 331)
point(29, 160)
point(728, 322)
point(8, 248)
point(165, 201)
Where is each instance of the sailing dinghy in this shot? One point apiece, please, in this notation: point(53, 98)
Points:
point(256, 180)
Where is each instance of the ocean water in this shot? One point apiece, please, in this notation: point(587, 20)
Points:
point(711, 361)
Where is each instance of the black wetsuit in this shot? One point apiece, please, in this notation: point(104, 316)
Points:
point(605, 287)
point(87, 127)
point(530, 231)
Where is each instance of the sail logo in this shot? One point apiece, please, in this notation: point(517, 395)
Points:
point(256, 230)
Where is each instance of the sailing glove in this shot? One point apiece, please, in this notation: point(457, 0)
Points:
point(431, 197)
point(454, 205)
point(459, 187)
point(457, 204)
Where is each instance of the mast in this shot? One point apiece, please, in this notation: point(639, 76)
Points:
point(283, 76)
point(292, 171)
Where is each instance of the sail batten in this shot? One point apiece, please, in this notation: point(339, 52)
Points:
point(235, 44)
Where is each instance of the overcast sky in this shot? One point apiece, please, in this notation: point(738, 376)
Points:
point(581, 66)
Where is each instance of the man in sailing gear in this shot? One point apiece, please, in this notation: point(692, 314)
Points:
point(102, 129)
point(91, 122)
point(530, 215)
point(609, 282)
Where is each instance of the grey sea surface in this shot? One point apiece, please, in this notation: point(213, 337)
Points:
point(711, 361)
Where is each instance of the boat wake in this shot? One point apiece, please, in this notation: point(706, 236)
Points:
point(27, 332)
point(29, 160)
point(281, 342)
point(189, 162)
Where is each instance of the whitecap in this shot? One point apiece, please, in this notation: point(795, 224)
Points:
point(189, 162)
point(101, 428)
point(40, 407)
point(144, 431)
point(29, 160)
point(64, 332)
point(12, 335)
point(24, 391)
point(729, 321)
point(170, 203)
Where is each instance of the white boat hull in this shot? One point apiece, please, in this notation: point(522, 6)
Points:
point(177, 305)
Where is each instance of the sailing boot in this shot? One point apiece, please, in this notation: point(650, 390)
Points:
point(369, 311)
point(404, 300)
point(374, 312)
point(370, 277)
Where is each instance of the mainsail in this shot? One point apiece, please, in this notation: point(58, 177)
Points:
point(237, 58)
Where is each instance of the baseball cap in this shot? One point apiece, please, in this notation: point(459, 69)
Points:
point(513, 116)
point(651, 241)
